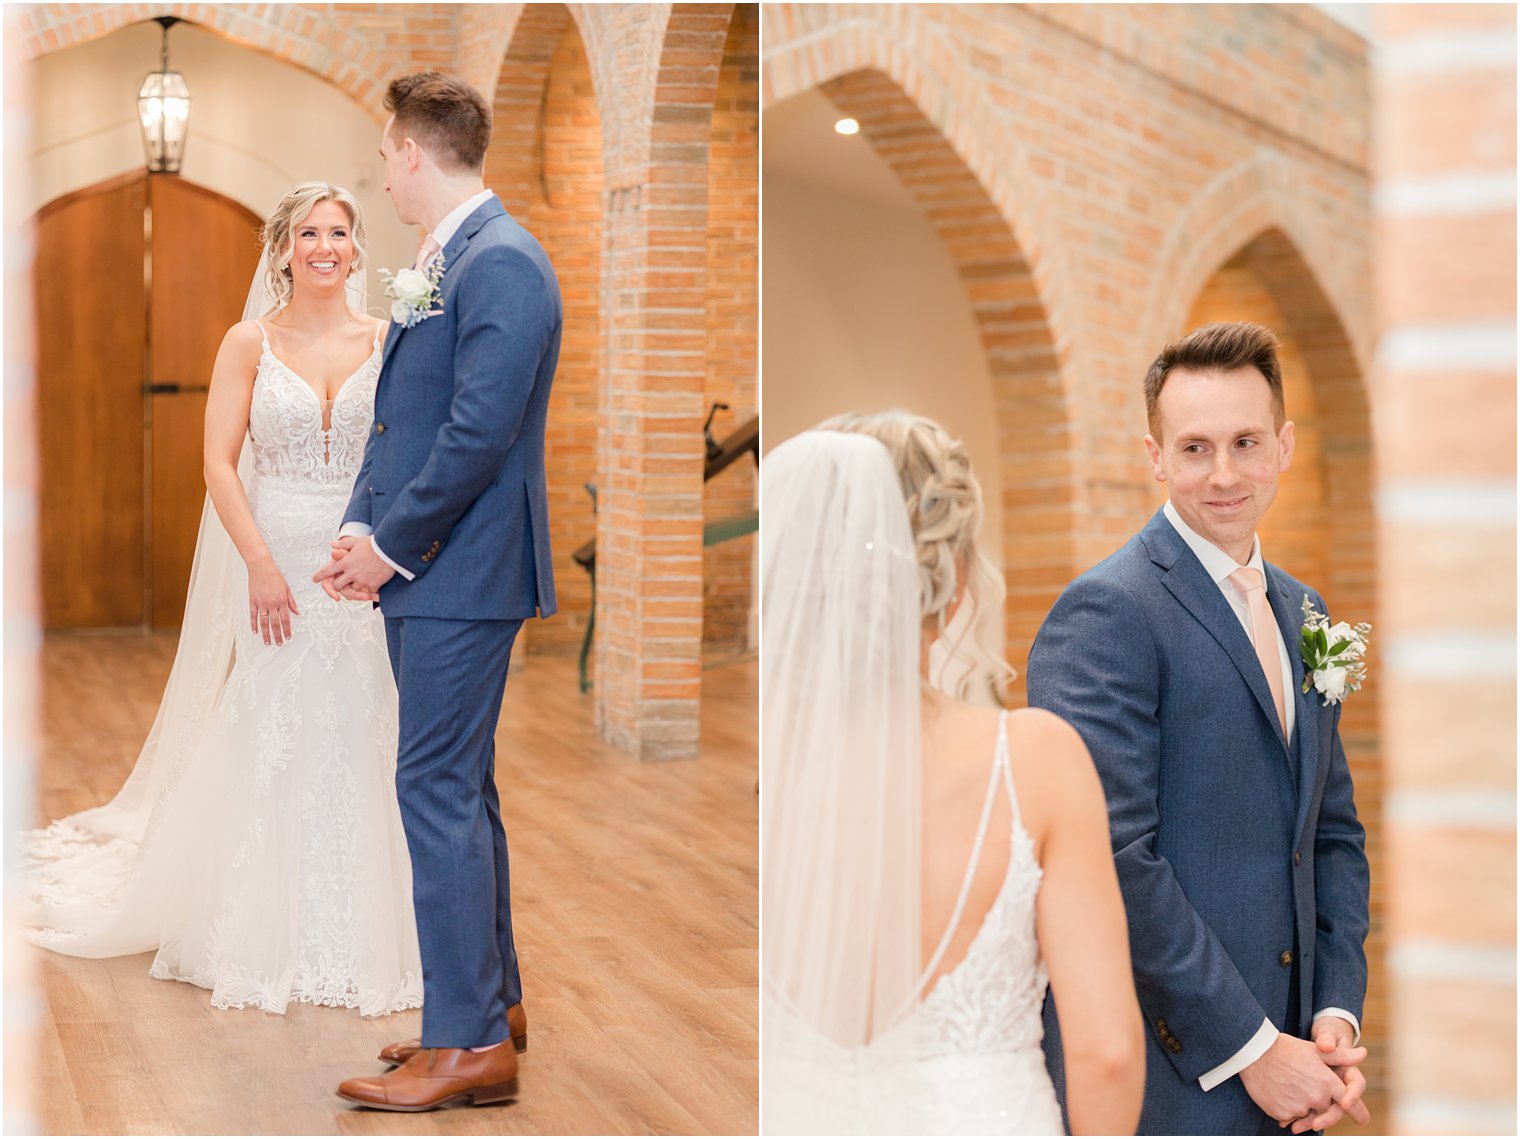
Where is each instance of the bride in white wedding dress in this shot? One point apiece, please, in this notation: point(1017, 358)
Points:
point(928, 864)
point(257, 844)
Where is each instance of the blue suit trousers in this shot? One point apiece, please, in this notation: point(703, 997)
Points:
point(450, 676)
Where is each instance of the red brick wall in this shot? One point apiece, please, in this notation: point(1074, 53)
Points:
point(733, 198)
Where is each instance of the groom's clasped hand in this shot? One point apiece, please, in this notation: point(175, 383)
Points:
point(353, 579)
point(1311, 1085)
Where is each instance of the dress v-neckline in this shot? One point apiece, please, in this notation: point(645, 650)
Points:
point(303, 382)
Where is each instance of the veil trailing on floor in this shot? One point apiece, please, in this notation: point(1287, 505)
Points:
point(79, 865)
point(840, 762)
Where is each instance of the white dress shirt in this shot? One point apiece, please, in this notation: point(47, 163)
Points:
point(1219, 566)
point(442, 234)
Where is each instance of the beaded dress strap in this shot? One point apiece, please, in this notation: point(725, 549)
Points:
point(999, 765)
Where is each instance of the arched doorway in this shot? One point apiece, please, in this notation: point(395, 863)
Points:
point(545, 162)
point(136, 281)
point(932, 306)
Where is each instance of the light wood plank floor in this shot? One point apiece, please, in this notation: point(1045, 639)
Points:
point(636, 907)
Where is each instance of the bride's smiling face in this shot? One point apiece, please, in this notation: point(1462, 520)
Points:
point(322, 248)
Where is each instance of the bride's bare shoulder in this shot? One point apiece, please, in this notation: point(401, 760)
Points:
point(245, 332)
point(1051, 765)
point(243, 343)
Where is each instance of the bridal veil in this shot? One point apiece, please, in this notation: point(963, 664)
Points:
point(840, 647)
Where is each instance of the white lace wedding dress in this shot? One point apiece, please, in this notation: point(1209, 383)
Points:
point(967, 1060)
point(267, 861)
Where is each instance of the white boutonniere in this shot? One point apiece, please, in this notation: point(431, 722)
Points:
point(1334, 655)
point(414, 293)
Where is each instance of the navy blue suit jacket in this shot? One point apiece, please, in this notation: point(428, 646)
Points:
point(453, 477)
point(1233, 846)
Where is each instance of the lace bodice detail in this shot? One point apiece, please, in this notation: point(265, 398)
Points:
point(992, 1000)
point(967, 1059)
point(286, 422)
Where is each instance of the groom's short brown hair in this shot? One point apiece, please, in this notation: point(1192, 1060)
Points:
point(448, 117)
point(1222, 347)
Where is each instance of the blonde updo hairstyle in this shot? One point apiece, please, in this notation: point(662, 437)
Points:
point(944, 504)
point(279, 232)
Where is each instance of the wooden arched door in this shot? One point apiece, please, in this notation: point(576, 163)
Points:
point(137, 280)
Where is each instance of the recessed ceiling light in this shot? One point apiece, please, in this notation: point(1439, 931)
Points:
point(847, 126)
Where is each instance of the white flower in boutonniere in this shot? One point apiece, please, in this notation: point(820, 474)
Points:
point(414, 293)
point(1334, 655)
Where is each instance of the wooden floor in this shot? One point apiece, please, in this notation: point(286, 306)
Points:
point(635, 899)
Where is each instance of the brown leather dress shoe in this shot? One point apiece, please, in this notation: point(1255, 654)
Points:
point(403, 1050)
point(436, 1076)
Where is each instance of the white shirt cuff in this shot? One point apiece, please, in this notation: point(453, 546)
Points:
point(1356, 1025)
point(1255, 1048)
point(361, 530)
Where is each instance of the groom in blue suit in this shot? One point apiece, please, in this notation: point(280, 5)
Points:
point(1234, 830)
point(448, 529)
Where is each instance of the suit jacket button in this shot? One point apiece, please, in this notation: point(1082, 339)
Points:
point(1174, 1044)
point(1286, 957)
point(379, 429)
point(1297, 858)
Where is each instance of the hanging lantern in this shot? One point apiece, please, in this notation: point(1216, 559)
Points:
point(163, 108)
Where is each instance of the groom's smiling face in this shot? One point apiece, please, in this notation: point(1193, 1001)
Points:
point(1220, 447)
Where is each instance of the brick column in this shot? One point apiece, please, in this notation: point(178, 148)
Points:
point(1444, 398)
point(650, 454)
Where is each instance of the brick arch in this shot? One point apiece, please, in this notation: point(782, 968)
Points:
point(680, 101)
point(1342, 416)
point(517, 101)
point(302, 35)
point(923, 64)
point(1037, 477)
point(1235, 208)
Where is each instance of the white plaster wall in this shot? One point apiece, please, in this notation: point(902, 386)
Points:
point(257, 127)
point(863, 311)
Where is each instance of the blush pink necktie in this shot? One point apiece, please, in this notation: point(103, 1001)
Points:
point(1263, 634)
point(425, 254)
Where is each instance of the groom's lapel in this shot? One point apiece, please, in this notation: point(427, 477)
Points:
point(391, 338)
point(1187, 581)
point(1288, 608)
point(471, 225)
